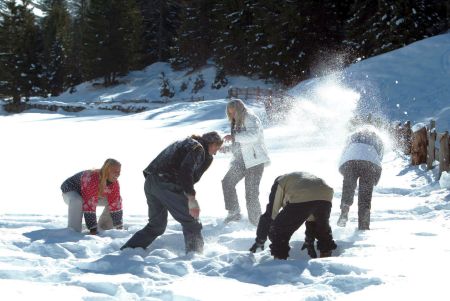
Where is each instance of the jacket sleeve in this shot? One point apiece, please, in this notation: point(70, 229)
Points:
point(266, 219)
point(89, 194)
point(191, 162)
point(115, 205)
point(253, 130)
point(73, 183)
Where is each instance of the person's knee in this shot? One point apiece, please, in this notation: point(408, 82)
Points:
point(227, 183)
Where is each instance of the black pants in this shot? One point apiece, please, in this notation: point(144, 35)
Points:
point(163, 197)
point(291, 217)
point(368, 175)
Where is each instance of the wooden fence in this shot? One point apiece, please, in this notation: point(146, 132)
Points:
point(276, 102)
point(422, 143)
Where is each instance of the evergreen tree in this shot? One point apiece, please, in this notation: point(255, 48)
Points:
point(20, 51)
point(79, 9)
point(232, 19)
point(57, 46)
point(380, 26)
point(111, 39)
point(160, 25)
point(166, 89)
point(192, 46)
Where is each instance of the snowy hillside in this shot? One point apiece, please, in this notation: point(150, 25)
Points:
point(403, 255)
point(411, 83)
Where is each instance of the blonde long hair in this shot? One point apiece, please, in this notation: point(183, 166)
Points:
point(240, 109)
point(104, 174)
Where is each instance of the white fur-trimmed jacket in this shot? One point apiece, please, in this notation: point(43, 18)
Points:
point(251, 142)
point(363, 145)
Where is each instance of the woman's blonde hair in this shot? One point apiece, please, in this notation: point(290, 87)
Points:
point(104, 174)
point(240, 109)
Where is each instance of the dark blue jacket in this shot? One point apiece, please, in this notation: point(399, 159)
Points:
point(183, 163)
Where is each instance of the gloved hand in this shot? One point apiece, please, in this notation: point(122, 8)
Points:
point(258, 244)
point(194, 208)
point(309, 246)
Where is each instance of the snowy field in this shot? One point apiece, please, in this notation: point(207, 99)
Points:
point(404, 255)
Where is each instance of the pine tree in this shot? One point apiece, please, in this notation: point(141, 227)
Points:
point(79, 11)
point(19, 52)
point(192, 45)
point(160, 25)
point(380, 26)
point(232, 20)
point(57, 46)
point(111, 39)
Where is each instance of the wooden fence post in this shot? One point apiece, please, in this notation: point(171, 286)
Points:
point(444, 155)
point(431, 148)
point(419, 146)
point(406, 137)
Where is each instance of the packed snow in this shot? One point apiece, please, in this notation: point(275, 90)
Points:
point(404, 255)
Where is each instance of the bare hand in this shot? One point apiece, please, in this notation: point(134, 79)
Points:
point(228, 138)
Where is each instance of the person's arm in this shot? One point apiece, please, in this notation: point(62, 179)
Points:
point(89, 194)
point(115, 206)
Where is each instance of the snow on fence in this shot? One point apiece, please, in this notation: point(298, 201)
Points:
point(420, 142)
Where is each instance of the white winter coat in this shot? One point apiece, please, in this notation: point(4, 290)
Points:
point(251, 142)
point(360, 151)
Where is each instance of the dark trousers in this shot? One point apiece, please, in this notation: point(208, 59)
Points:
point(252, 177)
point(163, 197)
point(291, 217)
point(368, 175)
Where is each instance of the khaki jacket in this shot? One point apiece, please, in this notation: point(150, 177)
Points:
point(300, 187)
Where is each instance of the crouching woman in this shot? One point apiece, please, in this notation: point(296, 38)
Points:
point(85, 190)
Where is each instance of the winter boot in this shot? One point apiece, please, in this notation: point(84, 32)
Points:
point(309, 246)
point(233, 216)
point(343, 218)
point(324, 254)
point(364, 219)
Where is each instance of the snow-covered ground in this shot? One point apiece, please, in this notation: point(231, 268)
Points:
point(404, 255)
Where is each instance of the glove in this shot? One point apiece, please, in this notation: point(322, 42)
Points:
point(309, 246)
point(194, 208)
point(258, 244)
point(93, 231)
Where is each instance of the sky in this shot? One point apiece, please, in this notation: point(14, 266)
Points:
point(404, 254)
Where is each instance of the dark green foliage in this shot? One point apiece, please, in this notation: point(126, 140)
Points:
point(380, 26)
point(198, 84)
point(160, 25)
point(183, 86)
point(20, 48)
point(192, 47)
point(166, 89)
point(279, 41)
point(58, 44)
point(111, 39)
point(220, 80)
